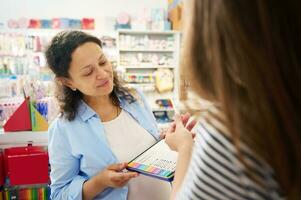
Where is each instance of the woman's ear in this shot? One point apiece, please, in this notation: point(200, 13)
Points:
point(65, 81)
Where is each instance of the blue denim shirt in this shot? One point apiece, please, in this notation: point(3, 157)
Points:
point(78, 149)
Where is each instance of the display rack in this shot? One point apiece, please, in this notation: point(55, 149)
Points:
point(141, 54)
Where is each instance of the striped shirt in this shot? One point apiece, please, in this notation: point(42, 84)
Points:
point(216, 172)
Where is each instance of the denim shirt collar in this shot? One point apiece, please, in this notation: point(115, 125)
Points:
point(86, 112)
point(136, 109)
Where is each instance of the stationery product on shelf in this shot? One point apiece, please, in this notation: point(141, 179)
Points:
point(163, 116)
point(7, 108)
point(88, 23)
point(26, 117)
point(11, 97)
point(1, 193)
point(34, 23)
point(145, 42)
point(139, 78)
point(123, 21)
point(55, 23)
point(21, 55)
point(164, 103)
point(46, 23)
point(32, 192)
point(164, 80)
point(146, 60)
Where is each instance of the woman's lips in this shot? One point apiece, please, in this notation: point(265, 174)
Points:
point(103, 84)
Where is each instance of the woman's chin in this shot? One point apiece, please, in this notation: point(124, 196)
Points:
point(105, 90)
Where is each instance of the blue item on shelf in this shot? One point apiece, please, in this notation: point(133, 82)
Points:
point(167, 25)
point(122, 26)
point(162, 116)
point(75, 23)
point(46, 23)
point(64, 23)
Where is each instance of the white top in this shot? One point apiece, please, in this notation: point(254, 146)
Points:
point(128, 139)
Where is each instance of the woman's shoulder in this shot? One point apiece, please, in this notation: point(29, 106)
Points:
point(61, 123)
point(213, 122)
point(217, 154)
point(213, 135)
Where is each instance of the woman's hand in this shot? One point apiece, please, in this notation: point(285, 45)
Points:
point(185, 118)
point(113, 176)
point(178, 136)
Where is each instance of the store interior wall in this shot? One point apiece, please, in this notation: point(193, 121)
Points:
point(103, 12)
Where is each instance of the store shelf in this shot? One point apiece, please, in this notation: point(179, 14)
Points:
point(39, 31)
point(139, 32)
point(22, 138)
point(153, 50)
point(147, 50)
point(163, 109)
point(147, 67)
point(137, 84)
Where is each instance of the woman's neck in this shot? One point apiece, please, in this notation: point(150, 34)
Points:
point(103, 106)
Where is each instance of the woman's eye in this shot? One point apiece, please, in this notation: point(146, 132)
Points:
point(102, 62)
point(89, 73)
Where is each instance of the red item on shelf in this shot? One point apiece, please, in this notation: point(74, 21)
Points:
point(20, 119)
point(88, 23)
point(34, 23)
point(2, 174)
point(27, 165)
point(55, 24)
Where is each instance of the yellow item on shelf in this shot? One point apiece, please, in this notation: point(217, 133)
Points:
point(175, 8)
point(38, 123)
point(164, 80)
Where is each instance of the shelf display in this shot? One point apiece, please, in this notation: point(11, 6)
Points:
point(146, 42)
point(35, 192)
point(23, 70)
point(147, 58)
point(150, 60)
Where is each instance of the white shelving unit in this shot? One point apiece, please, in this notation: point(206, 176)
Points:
point(147, 67)
point(143, 45)
point(146, 50)
point(23, 138)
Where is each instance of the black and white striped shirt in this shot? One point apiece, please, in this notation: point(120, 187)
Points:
point(216, 172)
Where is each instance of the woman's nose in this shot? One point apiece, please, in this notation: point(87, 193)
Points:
point(101, 73)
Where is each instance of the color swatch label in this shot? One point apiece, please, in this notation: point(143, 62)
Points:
point(158, 160)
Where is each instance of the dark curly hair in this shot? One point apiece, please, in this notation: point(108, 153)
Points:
point(58, 56)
